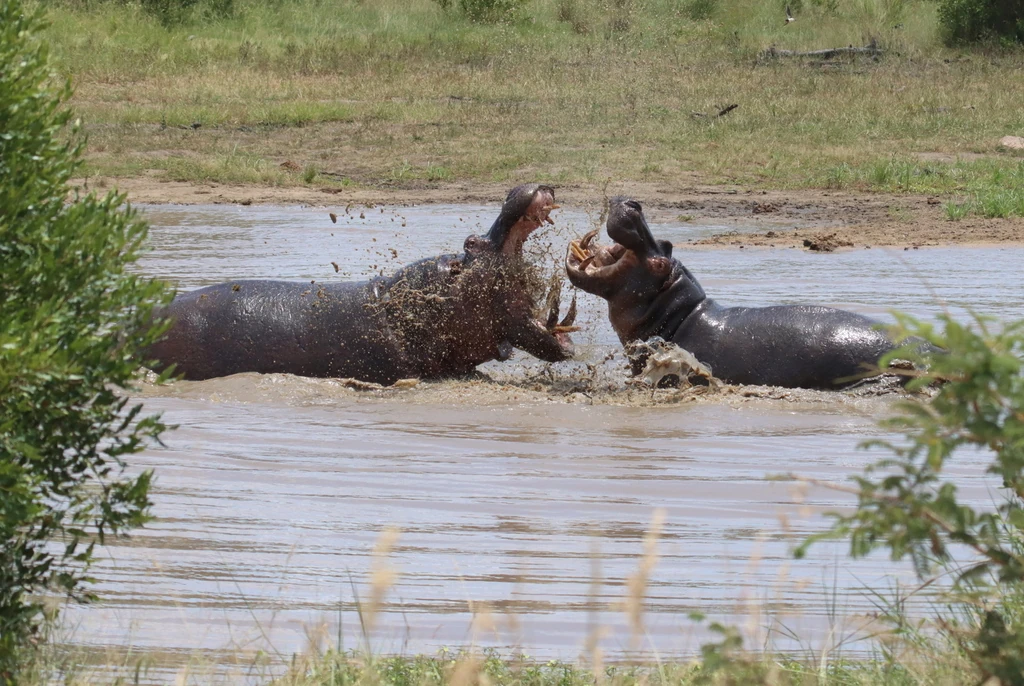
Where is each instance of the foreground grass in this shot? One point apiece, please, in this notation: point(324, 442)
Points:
point(489, 669)
point(462, 670)
point(403, 93)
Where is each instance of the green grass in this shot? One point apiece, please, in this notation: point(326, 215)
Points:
point(482, 668)
point(989, 188)
point(489, 668)
point(575, 91)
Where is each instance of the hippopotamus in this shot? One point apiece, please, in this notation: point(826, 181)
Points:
point(651, 294)
point(441, 316)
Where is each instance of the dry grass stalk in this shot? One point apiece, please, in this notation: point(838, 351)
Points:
point(636, 586)
point(382, 576)
point(592, 646)
point(483, 622)
point(469, 672)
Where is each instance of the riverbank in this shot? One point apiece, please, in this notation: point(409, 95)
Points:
point(684, 105)
point(821, 220)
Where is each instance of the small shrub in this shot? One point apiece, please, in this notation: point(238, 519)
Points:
point(169, 12)
point(829, 6)
point(700, 10)
point(908, 502)
point(839, 177)
point(971, 21)
point(72, 322)
point(955, 211)
point(572, 13)
point(620, 17)
point(175, 12)
point(492, 11)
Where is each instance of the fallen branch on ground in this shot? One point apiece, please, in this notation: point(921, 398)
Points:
point(827, 54)
point(721, 113)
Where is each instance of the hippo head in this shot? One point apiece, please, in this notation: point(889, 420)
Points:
point(643, 284)
point(525, 210)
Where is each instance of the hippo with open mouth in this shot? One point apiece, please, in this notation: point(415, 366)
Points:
point(441, 316)
point(650, 294)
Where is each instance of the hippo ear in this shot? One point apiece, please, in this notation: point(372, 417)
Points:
point(666, 248)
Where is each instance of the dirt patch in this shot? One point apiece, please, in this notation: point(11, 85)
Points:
point(826, 242)
point(831, 220)
point(762, 218)
point(953, 158)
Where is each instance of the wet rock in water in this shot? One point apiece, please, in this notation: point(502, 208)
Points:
point(666, 364)
point(826, 242)
point(358, 385)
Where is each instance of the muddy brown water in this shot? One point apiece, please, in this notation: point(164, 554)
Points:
point(511, 492)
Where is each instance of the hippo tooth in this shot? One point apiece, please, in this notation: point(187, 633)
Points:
point(577, 251)
point(554, 300)
point(570, 316)
point(587, 239)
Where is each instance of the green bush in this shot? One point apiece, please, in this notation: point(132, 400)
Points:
point(909, 505)
point(700, 10)
point(970, 21)
point(173, 12)
point(72, 319)
point(492, 11)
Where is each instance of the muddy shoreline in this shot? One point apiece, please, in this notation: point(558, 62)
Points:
point(817, 220)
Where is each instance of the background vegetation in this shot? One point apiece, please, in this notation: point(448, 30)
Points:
point(71, 325)
point(416, 92)
point(576, 89)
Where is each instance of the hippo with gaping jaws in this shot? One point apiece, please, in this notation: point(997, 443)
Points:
point(438, 317)
point(650, 294)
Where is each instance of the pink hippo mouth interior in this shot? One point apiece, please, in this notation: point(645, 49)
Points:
point(535, 216)
point(590, 264)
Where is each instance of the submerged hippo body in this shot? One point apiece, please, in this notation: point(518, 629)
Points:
point(438, 317)
point(650, 294)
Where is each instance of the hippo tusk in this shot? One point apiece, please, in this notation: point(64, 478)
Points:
point(554, 301)
point(588, 239)
point(585, 263)
point(552, 320)
point(570, 316)
point(577, 252)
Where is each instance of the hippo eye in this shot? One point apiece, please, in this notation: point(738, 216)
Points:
point(633, 204)
point(659, 266)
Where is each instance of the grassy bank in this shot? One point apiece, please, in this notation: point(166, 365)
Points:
point(907, 652)
point(403, 93)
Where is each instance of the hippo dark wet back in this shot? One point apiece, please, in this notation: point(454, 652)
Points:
point(438, 317)
point(650, 293)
